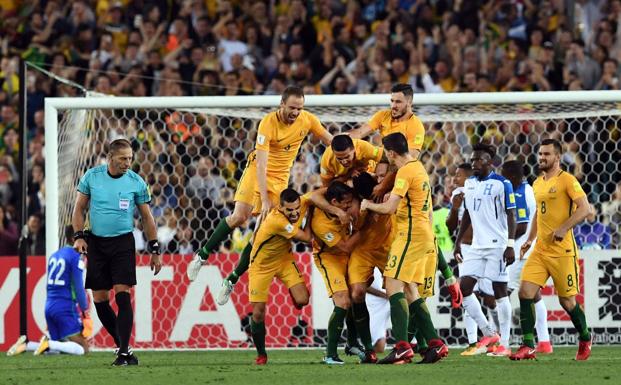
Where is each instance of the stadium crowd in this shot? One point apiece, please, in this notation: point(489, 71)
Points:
point(193, 47)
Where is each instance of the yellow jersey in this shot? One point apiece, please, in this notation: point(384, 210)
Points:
point(365, 153)
point(327, 232)
point(273, 239)
point(412, 185)
point(412, 128)
point(555, 199)
point(377, 233)
point(282, 141)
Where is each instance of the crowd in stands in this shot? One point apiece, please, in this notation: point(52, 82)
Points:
point(243, 47)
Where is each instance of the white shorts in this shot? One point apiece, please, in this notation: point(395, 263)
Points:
point(515, 271)
point(484, 286)
point(379, 316)
point(485, 263)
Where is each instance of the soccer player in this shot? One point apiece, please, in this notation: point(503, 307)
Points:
point(279, 138)
point(526, 206)
point(111, 192)
point(490, 210)
point(332, 246)
point(65, 290)
point(561, 204)
point(413, 244)
point(401, 118)
point(347, 157)
point(271, 257)
point(376, 235)
point(483, 287)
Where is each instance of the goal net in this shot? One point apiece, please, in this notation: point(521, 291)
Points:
point(192, 151)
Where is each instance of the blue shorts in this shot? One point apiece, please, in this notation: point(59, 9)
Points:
point(62, 319)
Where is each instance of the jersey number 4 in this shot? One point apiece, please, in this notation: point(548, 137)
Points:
point(56, 266)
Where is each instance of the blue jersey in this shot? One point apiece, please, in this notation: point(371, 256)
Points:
point(65, 281)
point(113, 200)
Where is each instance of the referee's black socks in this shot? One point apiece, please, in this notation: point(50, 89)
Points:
point(124, 320)
point(108, 319)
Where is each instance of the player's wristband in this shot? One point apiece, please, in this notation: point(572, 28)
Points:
point(79, 235)
point(511, 243)
point(153, 246)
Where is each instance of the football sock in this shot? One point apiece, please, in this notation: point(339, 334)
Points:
point(492, 317)
point(444, 268)
point(68, 347)
point(473, 307)
point(423, 320)
point(125, 319)
point(579, 321)
point(108, 319)
point(258, 336)
point(361, 316)
point(352, 332)
point(541, 321)
point(242, 264)
point(335, 328)
point(471, 328)
point(503, 306)
point(219, 234)
point(399, 315)
point(527, 321)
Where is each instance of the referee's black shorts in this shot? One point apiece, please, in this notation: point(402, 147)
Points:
point(111, 261)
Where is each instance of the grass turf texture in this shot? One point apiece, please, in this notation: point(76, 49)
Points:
point(304, 367)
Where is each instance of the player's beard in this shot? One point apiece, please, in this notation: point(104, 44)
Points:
point(397, 114)
point(544, 167)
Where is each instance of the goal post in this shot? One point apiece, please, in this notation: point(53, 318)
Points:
point(176, 136)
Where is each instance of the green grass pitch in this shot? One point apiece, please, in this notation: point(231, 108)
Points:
point(298, 367)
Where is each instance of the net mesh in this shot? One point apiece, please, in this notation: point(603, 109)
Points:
point(190, 195)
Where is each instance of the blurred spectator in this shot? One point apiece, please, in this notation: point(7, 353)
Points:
point(183, 241)
point(9, 234)
point(611, 215)
point(592, 234)
point(36, 235)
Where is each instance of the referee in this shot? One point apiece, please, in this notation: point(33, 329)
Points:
point(111, 193)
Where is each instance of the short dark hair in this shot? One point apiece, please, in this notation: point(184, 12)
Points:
point(118, 144)
point(404, 88)
point(342, 142)
point(514, 168)
point(338, 190)
point(396, 142)
point(557, 145)
point(289, 195)
point(486, 148)
point(364, 184)
point(465, 166)
point(292, 91)
point(69, 233)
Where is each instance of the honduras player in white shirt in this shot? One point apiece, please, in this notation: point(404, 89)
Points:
point(490, 209)
point(526, 207)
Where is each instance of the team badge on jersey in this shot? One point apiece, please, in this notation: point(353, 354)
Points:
point(289, 228)
point(329, 237)
point(400, 183)
point(261, 139)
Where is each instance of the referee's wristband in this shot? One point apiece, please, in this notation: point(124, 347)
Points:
point(153, 246)
point(511, 243)
point(79, 235)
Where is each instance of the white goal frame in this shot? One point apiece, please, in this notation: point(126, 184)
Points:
point(54, 105)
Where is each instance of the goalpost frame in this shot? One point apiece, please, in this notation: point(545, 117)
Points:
point(53, 105)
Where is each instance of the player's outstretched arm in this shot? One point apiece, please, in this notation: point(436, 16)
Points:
point(150, 230)
point(360, 132)
point(388, 207)
point(77, 221)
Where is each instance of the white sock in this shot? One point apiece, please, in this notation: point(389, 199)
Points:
point(68, 347)
point(473, 307)
point(471, 329)
point(541, 321)
point(492, 317)
point(503, 305)
point(31, 346)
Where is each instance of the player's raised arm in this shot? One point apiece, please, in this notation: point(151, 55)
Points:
point(319, 200)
